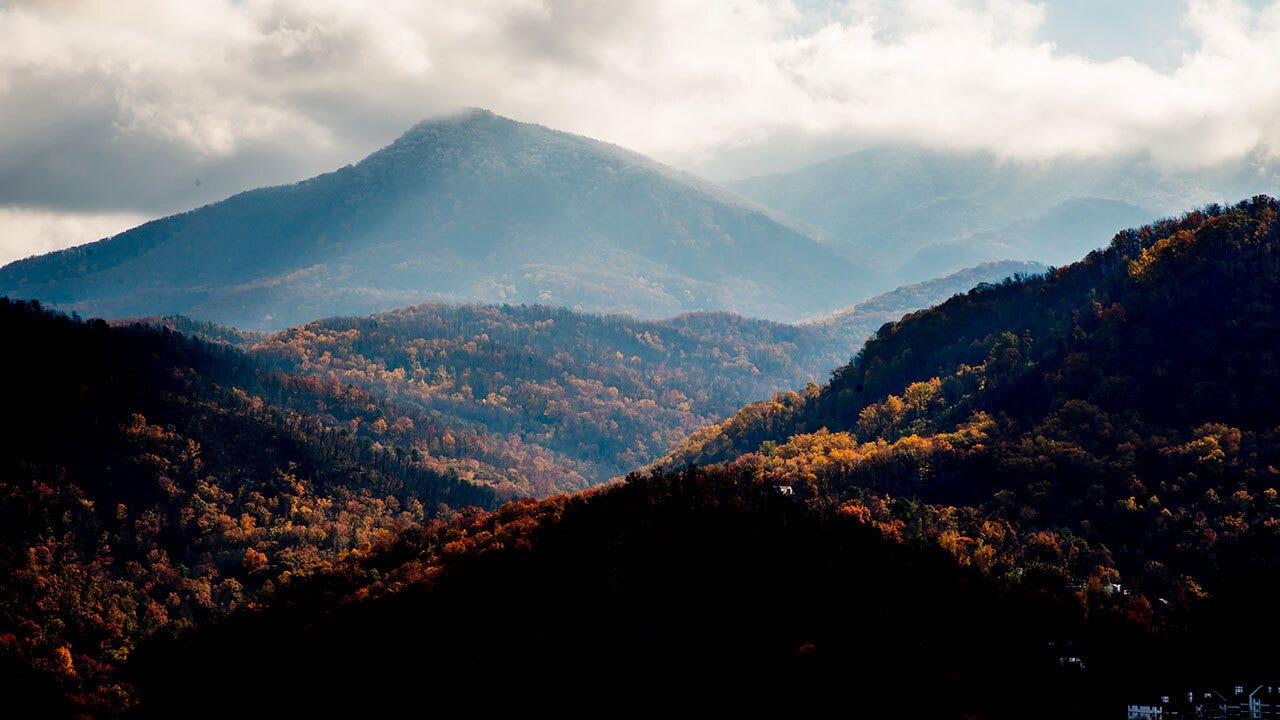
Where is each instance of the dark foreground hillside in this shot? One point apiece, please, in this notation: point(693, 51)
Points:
point(698, 590)
point(703, 588)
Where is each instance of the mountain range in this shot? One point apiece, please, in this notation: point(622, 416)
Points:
point(171, 470)
point(1078, 463)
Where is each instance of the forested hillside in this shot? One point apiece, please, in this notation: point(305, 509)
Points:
point(602, 395)
point(692, 589)
point(607, 393)
point(1114, 419)
point(145, 481)
point(158, 478)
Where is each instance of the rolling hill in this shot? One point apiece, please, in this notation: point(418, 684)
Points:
point(472, 207)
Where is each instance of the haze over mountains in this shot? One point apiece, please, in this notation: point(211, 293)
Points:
point(472, 207)
point(913, 213)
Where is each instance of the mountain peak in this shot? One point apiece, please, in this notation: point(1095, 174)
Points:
point(474, 112)
point(480, 140)
point(433, 128)
point(470, 206)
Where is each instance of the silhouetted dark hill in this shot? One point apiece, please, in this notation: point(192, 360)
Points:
point(473, 207)
point(692, 589)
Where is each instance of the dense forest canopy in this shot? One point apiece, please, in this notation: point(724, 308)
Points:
point(147, 482)
point(608, 394)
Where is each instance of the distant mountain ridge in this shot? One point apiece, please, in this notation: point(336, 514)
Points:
point(912, 212)
point(472, 207)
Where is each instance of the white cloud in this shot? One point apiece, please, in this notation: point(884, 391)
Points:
point(156, 106)
point(26, 231)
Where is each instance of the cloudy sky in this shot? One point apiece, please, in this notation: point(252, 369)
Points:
point(115, 111)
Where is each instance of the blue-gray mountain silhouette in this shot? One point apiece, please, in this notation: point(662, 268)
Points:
point(473, 207)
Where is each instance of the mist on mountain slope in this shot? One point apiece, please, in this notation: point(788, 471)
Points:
point(913, 213)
